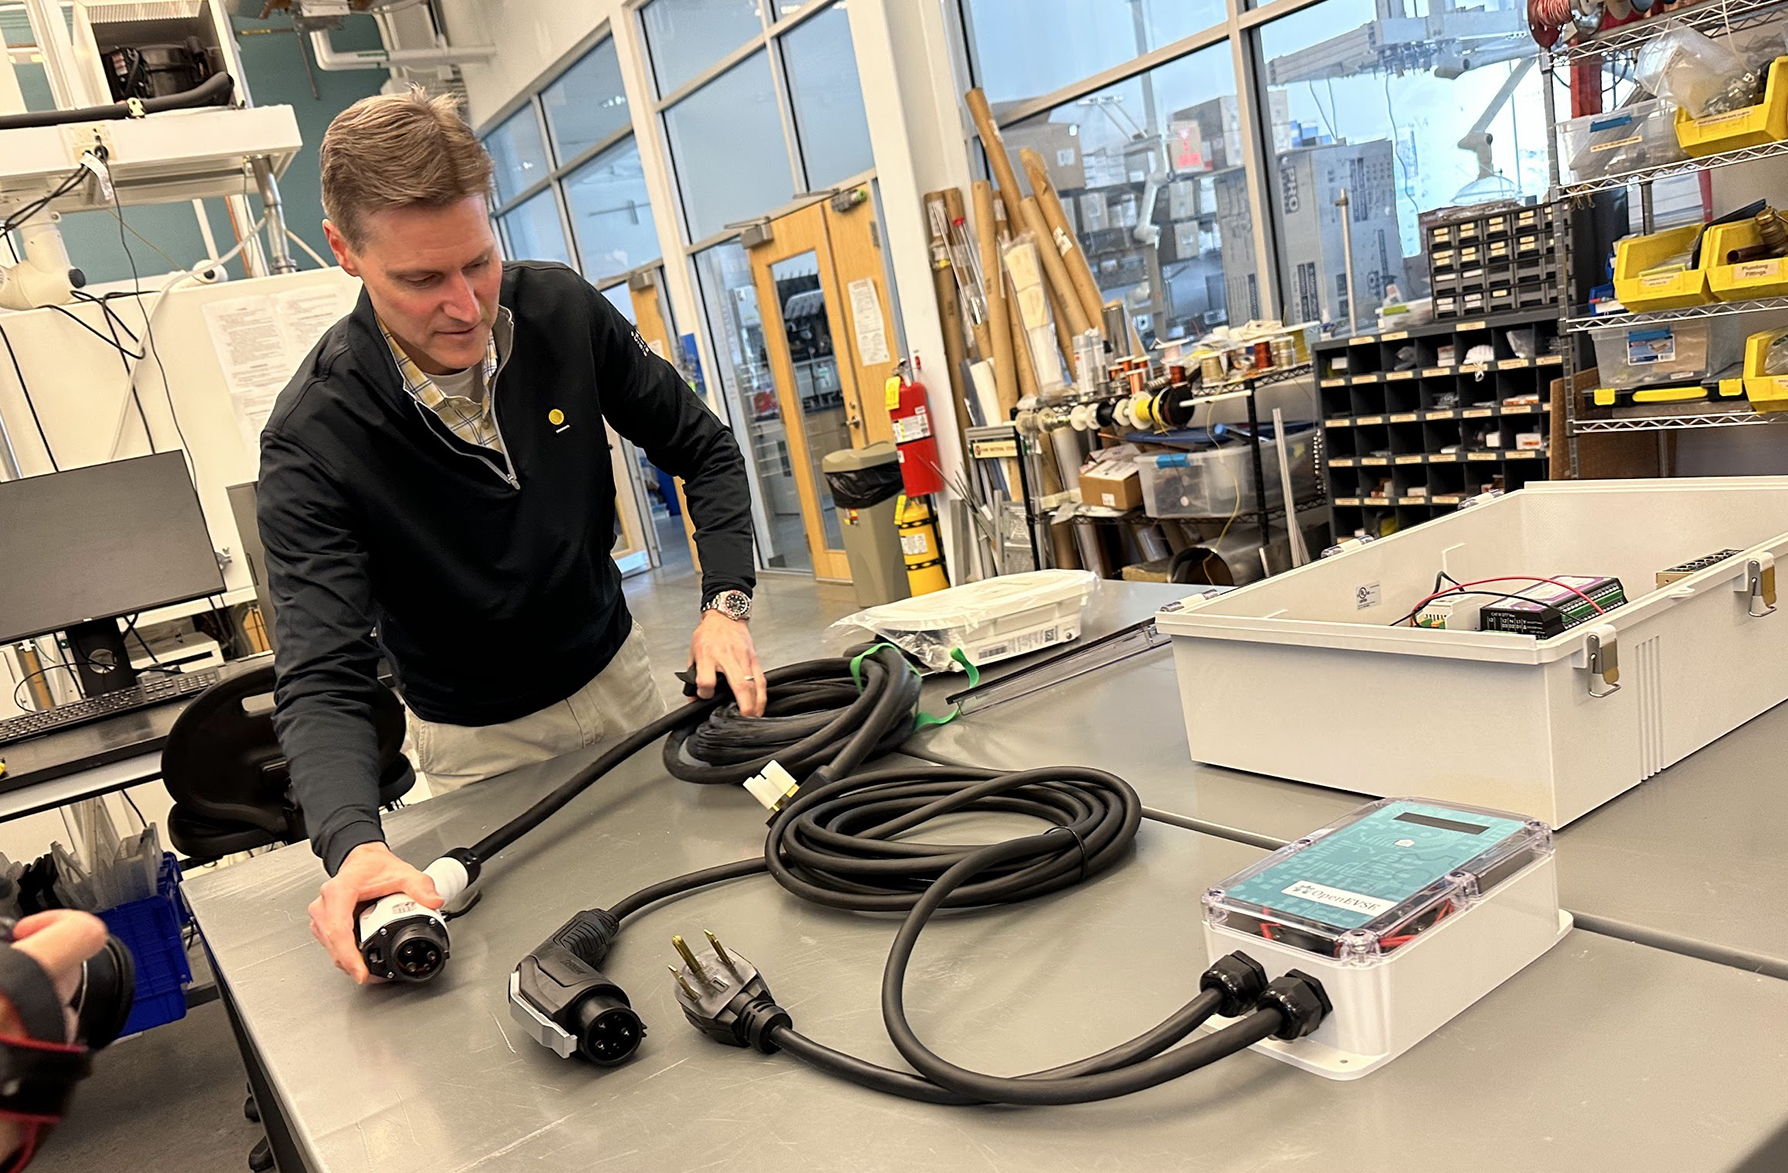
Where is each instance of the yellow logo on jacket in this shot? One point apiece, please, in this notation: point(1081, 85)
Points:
point(555, 417)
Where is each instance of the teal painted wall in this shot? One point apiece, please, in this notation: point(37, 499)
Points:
point(276, 77)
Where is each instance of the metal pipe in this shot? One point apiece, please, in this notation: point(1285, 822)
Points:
point(214, 90)
point(329, 59)
point(279, 255)
point(1342, 202)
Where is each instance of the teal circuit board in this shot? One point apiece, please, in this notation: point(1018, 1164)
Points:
point(1368, 867)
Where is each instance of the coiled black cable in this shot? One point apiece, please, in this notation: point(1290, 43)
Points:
point(817, 716)
point(840, 845)
point(818, 719)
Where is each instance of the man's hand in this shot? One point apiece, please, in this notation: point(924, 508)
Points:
point(723, 644)
point(369, 872)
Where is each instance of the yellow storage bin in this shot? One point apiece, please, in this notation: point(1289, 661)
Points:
point(1766, 392)
point(1661, 291)
point(1754, 126)
point(1744, 281)
point(1723, 389)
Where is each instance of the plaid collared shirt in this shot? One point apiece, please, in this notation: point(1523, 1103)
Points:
point(472, 420)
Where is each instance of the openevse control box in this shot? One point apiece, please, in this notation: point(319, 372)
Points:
point(1408, 912)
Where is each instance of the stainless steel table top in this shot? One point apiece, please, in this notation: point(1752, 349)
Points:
point(1601, 1055)
point(1696, 859)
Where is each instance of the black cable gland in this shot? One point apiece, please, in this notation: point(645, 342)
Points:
point(759, 1019)
point(1239, 979)
point(1301, 1001)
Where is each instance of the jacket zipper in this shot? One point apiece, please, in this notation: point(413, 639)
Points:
point(508, 473)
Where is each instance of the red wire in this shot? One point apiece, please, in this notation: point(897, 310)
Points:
point(1563, 586)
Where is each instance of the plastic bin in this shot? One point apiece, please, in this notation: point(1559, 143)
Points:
point(1659, 291)
point(1754, 126)
point(1664, 353)
point(152, 929)
point(1642, 134)
point(1766, 392)
point(1341, 698)
point(1219, 482)
point(1741, 282)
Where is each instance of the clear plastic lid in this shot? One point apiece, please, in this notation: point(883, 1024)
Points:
point(1371, 882)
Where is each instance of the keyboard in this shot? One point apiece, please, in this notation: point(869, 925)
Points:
point(163, 688)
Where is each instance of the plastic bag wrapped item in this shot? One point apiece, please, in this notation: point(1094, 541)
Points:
point(1691, 69)
point(862, 488)
point(1775, 359)
point(986, 621)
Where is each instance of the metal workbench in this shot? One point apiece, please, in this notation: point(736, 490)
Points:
point(1692, 860)
point(1601, 1055)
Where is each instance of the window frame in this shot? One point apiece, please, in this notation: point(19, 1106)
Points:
point(559, 170)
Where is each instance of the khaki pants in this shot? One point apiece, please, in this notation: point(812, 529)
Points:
point(621, 698)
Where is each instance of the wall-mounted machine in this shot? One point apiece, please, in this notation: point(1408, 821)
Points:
point(151, 107)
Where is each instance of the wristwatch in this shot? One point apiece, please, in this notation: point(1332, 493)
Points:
point(733, 604)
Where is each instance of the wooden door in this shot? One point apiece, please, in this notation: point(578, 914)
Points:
point(807, 332)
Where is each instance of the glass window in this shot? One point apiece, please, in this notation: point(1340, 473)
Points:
point(726, 141)
point(621, 298)
point(518, 152)
point(685, 37)
point(1024, 49)
point(1150, 175)
point(532, 231)
point(729, 298)
point(587, 104)
point(1352, 108)
point(611, 214)
point(827, 98)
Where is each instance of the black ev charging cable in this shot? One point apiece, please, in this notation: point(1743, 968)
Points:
point(824, 718)
point(840, 845)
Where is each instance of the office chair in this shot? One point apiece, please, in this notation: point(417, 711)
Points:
point(224, 770)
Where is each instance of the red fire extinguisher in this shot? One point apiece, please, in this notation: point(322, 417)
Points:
point(910, 415)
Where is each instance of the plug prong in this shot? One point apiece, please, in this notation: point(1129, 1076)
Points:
point(688, 957)
point(720, 951)
point(678, 974)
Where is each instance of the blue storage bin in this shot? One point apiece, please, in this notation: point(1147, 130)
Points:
point(152, 928)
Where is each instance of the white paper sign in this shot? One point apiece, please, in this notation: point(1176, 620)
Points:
point(261, 340)
point(866, 318)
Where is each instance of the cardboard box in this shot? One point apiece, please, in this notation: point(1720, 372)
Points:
point(1185, 240)
point(1058, 143)
point(1093, 214)
point(1182, 199)
point(1111, 484)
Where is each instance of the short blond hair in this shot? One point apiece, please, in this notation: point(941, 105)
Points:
point(399, 151)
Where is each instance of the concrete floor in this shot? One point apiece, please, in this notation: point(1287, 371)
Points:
point(170, 1100)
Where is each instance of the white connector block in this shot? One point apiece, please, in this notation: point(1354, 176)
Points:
point(1385, 1006)
point(773, 787)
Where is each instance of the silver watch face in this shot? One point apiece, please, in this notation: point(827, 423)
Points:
point(737, 604)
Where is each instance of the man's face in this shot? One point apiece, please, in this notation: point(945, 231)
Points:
point(433, 275)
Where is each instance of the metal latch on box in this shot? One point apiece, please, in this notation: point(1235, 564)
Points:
point(1601, 649)
point(1758, 585)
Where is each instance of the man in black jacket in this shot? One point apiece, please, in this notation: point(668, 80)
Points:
point(436, 486)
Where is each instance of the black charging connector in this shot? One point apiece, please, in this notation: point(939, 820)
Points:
point(567, 1003)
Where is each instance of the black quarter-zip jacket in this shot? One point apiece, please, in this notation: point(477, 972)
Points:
point(491, 597)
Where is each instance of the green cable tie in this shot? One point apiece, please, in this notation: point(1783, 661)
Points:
point(857, 664)
point(926, 720)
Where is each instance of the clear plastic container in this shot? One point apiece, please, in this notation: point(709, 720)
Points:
point(1669, 352)
point(1375, 880)
point(1642, 134)
point(1219, 482)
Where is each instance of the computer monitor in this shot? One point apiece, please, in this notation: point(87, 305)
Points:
point(80, 548)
